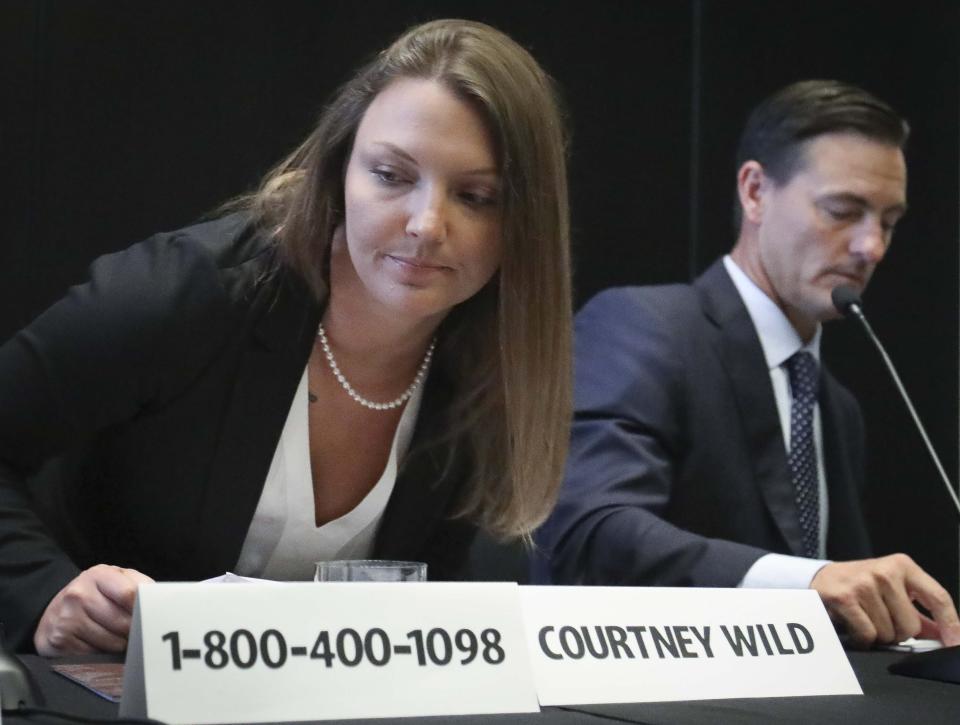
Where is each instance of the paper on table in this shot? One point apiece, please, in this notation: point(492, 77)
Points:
point(231, 578)
point(101, 678)
point(913, 645)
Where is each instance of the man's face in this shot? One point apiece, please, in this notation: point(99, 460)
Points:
point(830, 224)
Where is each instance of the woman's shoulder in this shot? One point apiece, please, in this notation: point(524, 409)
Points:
point(230, 252)
point(142, 326)
point(142, 308)
point(231, 239)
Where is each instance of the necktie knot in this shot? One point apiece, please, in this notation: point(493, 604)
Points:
point(804, 376)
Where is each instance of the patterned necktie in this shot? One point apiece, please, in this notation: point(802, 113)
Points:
point(802, 458)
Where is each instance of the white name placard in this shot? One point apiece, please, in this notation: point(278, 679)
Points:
point(209, 653)
point(591, 645)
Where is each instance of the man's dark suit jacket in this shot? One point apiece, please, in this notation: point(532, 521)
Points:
point(162, 386)
point(677, 474)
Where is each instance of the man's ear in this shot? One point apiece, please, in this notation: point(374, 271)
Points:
point(752, 182)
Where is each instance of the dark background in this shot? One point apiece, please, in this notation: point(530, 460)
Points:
point(122, 118)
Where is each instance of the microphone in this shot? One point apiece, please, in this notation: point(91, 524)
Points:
point(847, 301)
point(942, 664)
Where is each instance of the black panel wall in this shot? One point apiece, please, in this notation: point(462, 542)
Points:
point(122, 118)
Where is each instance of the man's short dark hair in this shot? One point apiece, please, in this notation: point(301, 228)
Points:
point(777, 129)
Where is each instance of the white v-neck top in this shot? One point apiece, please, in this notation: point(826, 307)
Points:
point(283, 540)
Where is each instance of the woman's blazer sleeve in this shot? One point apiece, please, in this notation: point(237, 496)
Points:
point(111, 348)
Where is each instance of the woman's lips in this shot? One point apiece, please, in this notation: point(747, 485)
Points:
point(417, 267)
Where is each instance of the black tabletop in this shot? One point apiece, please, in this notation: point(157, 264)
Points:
point(887, 698)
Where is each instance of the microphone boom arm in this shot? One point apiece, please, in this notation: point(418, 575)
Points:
point(854, 309)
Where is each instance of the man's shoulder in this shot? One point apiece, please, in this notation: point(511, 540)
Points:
point(642, 326)
point(647, 304)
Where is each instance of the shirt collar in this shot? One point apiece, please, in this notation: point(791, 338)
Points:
point(777, 337)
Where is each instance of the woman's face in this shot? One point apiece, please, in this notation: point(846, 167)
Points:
point(422, 194)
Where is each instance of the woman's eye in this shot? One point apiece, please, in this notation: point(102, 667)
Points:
point(387, 176)
point(479, 198)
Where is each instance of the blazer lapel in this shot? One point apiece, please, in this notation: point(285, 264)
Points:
point(280, 332)
point(846, 530)
point(424, 489)
point(743, 361)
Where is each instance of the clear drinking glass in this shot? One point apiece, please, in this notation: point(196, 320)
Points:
point(370, 570)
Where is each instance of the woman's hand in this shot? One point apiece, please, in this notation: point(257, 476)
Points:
point(91, 614)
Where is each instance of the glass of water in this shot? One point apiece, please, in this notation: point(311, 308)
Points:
point(370, 570)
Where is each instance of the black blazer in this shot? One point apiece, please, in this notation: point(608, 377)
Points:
point(161, 386)
point(677, 474)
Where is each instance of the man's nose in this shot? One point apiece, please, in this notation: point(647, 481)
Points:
point(871, 241)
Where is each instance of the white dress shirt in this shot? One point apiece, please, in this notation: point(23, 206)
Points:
point(780, 341)
point(283, 541)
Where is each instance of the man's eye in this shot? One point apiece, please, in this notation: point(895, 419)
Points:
point(890, 221)
point(843, 213)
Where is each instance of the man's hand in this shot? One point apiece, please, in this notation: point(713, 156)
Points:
point(874, 599)
point(91, 614)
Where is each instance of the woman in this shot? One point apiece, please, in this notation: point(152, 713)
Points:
point(368, 357)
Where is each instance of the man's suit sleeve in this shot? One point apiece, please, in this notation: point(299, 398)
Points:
point(629, 438)
point(97, 357)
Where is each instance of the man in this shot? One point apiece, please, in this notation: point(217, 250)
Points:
point(709, 446)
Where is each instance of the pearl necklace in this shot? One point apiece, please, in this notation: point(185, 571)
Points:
point(345, 384)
